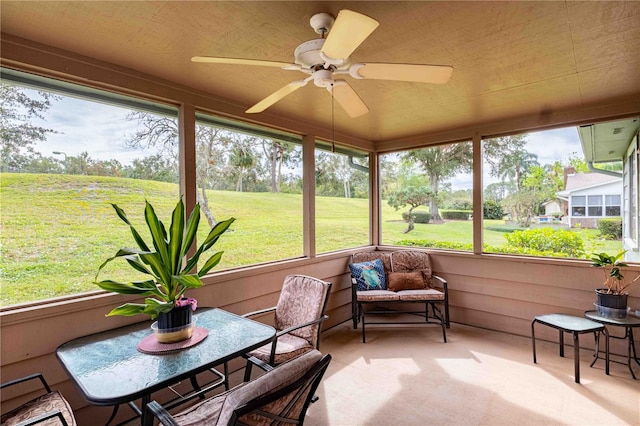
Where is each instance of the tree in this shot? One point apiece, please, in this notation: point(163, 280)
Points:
point(242, 158)
point(413, 197)
point(278, 153)
point(508, 157)
point(17, 133)
point(440, 163)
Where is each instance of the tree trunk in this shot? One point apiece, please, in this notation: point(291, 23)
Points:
point(411, 222)
point(239, 183)
point(204, 207)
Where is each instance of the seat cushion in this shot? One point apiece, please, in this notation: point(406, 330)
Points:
point(288, 347)
point(369, 275)
point(421, 295)
point(38, 406)
point(376, 296)
point(206, 412)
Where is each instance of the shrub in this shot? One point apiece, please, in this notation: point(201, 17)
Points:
point(449, 245)
point(547, 239)
point(456, 214)
point(492, 210)
point(611, 228)
point(459, 204)
point(418, 217)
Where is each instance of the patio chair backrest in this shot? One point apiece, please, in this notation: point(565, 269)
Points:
point(302, 299)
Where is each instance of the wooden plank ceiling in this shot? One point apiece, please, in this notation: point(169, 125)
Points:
point(510, 59)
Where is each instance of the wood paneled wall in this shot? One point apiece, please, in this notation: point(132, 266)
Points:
point(496, 292)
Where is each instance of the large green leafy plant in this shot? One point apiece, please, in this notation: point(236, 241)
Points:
point(165, 260)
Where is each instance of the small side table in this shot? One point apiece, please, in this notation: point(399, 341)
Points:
point(628, 323)
point(575, 326)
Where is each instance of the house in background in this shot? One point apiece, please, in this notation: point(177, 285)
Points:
point(618, 141)
point(590, 197)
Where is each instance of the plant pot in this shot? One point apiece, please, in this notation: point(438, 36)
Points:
point(610, 300)
point(175, 325)
point(177, 317)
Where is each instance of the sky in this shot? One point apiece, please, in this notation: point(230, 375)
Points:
point(101, 130)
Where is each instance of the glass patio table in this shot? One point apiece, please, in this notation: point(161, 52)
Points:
point(109, 370)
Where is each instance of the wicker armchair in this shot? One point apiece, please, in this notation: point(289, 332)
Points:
point(298, 316)
point(280, 396)
point(48, 409)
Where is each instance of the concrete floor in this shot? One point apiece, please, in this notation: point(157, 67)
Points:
point(408, 376)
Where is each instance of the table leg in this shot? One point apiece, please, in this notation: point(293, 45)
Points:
point(596, 336)
point(561, 343)
point(606, 347)
point(146, 418)
point(633, 345)
point(576, 356)
point(533, 340)
point(628, 333)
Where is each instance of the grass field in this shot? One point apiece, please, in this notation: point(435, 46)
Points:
point(56, 230)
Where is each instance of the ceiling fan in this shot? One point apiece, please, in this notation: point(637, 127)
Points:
point(323, 59)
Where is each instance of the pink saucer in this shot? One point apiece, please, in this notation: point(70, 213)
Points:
point(150, 345)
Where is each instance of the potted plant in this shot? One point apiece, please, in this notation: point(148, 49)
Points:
point(615, 293)
point(170, 266)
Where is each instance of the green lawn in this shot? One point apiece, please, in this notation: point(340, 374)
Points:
point(57, 229)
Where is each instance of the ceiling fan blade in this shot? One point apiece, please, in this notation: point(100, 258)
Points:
point(276, 96)
point(349, 30)
point(348, 99)
point(237, 61)
point(436, 74)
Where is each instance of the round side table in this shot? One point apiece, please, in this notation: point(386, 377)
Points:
point(629, 323)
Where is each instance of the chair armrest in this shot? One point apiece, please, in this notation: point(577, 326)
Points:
point(44, 417)
point(26, 379)
point(161, 414)
point(443, 283)
point(296, 327)
point(260, 312)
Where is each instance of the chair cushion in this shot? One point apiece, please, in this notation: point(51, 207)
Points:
point(369, 275)
point(421, 295)
point(206, 412)
point(270, 382)
point(412, 261)
point(406, 281)
point(41, 405)
point(376, 296)
point(288, 347)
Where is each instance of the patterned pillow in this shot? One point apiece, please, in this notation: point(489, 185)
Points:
point(369, 275)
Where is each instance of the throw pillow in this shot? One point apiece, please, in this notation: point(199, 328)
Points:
point(369, 275)
point(406, 281)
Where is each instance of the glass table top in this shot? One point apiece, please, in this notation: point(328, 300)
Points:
point(108, 368)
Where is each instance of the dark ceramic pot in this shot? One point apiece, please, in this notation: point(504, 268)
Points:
point(177, 317)
point(614, 301)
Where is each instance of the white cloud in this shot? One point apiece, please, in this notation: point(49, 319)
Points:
point(99, 129)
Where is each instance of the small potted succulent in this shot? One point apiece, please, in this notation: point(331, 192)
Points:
point(170, 267)
point(614, 294)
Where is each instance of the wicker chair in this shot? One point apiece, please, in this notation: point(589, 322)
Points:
point(298, 316)
point(280, 396)
point(48, 409)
